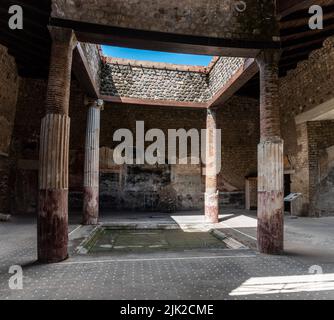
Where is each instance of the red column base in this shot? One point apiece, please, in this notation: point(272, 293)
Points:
point(52, 226)
point(91, 206)
point(212, 207)
point(270, 230)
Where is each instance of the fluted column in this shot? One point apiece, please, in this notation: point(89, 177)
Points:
point(52, 237)
point(270, 159)
point(211, 169)
point(91, 171)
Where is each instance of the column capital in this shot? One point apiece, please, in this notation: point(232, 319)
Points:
point(63, 35)
point(94, 103)
point(268, 56)
point(211, 111)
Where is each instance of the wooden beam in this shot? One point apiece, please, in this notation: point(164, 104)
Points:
point(306, 41)
point(151, 40)
point(304, 20)
point(151, 102)
point(239, 79)
point(306, 32)
point(82, 72)
point(287, 7)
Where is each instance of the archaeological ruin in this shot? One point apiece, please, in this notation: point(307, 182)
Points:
point(268, 92)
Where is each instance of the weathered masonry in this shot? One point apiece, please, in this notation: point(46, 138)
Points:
point(268, 89)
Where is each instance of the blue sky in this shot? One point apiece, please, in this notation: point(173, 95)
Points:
point(156, 56)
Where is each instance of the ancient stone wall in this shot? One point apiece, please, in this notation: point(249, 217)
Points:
point(239, 122)
point(211, 18)
point(8, 96)
point(222, 72)
point(165, 81)
point(133, 187)
point(321, 143)
point(25, 146)
point(155, 84)
point(301, 91)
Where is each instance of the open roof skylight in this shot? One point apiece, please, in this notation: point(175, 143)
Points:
point(157, 56)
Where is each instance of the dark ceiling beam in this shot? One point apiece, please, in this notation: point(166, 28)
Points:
point(287, 7)
point(151, 40)
point(291, 62)
point(238, 80)
point(304, 18)
point(26, 42)
point(300, 51)
point(30, 38)
point(20, 51)
point(83, 74)
point(28, 16)
point(307, 40)
point(305, 32)
point(328, 23)
point(300, 55)
point(157, 103)
point(37, 7)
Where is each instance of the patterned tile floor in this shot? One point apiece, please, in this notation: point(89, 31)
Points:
point(192, 274)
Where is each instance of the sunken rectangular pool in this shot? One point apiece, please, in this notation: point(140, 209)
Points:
point(106, 239)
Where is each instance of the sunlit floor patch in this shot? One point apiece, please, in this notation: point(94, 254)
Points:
point(285, 284)
point(123, 240)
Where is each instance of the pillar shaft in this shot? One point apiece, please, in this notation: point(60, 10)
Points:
point(211, 183)
point(91, 171)
point(52, 231)
point(270, 159)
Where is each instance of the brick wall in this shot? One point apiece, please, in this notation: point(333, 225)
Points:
point(303, 89)
point(8, 95)
point(320, 138)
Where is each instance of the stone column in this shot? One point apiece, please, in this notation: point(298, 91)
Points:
point(91, 173)
point(52, 237)
point(211, 185)
point(270, 158)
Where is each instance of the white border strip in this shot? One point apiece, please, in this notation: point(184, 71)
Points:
point(152, 259)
